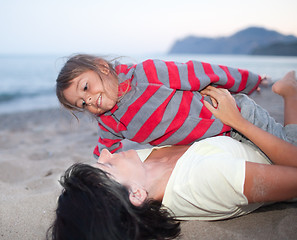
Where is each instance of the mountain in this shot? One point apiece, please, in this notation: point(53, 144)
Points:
point(278, 49)
point(242, 42)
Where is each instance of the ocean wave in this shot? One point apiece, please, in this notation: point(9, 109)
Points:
point(29, 103)
point(7, 97)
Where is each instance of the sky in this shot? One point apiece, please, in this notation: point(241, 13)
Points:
point(131, 27)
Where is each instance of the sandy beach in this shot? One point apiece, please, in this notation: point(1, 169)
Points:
point(36, 147)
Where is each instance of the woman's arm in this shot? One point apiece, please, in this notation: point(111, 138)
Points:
point(269, 183)
point(279, 151)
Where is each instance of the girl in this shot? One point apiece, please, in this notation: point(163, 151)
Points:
point(214, 179)
point(155, 102)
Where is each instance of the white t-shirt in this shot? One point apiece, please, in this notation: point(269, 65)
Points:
point(207, 181)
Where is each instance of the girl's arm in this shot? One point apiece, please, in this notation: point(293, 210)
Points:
point(279, 151)
point(196, 75)
point(107, 140)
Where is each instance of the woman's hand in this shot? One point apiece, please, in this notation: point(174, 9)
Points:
point(225, 107)
point(226, 110)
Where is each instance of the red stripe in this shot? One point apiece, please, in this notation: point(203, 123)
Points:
point(200, 130)
point(244, 77)
point(152, 77)
point(210, 73)
point(226, 128)
point(230, 78)
point(108, 142)
point(109, 121)
point(179, 119)
point(96, 151)
point(173, 73)
point(102, 127)
point(151, 72)
point(118, 148)
point(134, 108)
point(151, 123)
point(123, 68)
point(192, 78)
point(112, 123)
point(197, 132)
point(124, 87)
point(228, 133)
point(204, 113)
point(112, 110)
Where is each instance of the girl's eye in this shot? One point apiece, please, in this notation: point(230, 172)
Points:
point(86, 87)
point(83, 104)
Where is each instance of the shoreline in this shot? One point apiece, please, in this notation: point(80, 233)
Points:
point(273, 106)
point(37, 146)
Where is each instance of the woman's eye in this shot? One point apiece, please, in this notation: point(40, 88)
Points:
point(108, 165)
point(86, 87)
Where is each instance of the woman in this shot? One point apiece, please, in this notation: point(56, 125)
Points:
point(216, 178)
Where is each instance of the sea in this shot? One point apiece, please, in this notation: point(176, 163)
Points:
point(28, 82)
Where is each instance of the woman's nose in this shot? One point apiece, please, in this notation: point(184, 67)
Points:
point(105, 156)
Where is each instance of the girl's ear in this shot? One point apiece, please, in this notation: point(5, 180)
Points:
point(103, 67)
point(137, 195)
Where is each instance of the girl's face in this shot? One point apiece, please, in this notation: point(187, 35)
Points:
point(125, 167)
point(88, 92)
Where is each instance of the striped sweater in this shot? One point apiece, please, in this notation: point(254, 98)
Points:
point(162, 105)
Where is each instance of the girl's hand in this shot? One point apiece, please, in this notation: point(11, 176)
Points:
point(265, 82)
point(225, 108)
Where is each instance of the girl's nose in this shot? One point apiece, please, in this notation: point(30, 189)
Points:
point(105, 156)
point(89, 100)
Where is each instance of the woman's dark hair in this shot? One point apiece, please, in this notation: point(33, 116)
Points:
point(75, 66)
point(92, 206)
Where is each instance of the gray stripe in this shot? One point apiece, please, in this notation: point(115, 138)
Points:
point(183, 131)
point(183, 75)
point(123, 77)
point(214, 129)
point(189, 124)
point(237, 76)
point(146, 111)
point(170, 112)
point(110, 134)
point(196, 104)
point(251, 82)
point(139, 73)
point(221, 73)
point(200, 73)
point(257, 115)
point(291, 133)
point(162, 72)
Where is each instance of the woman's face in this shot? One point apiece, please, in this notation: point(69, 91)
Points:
point(88, 92)
point(124, 167)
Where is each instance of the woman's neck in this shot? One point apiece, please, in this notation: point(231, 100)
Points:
point(160, 165)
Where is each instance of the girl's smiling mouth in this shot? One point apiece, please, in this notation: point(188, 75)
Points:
point(99, 101)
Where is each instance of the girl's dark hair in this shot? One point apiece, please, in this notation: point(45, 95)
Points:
point(92, 206)
point(75, 66)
